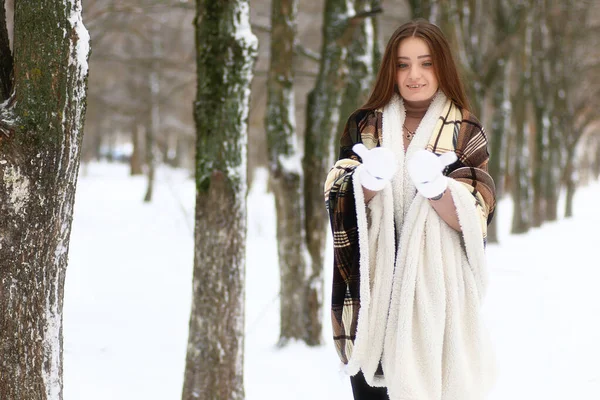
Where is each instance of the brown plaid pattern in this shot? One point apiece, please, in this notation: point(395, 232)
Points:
point(469, 141)
point(466, 137)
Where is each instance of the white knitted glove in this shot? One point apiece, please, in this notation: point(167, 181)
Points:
point(379, 166)
point(425, 169)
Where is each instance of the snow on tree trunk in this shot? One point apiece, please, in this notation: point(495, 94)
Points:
point(322, 114)
point(41, 131)
point(226, 50)
point(286, 175)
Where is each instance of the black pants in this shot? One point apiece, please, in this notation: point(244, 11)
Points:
point(362, 390)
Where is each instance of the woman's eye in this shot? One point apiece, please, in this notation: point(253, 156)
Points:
point(402, 66)
point(427, 64)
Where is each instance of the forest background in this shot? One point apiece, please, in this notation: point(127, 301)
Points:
point(531, 67)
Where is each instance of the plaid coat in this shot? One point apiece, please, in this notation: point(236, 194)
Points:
point(468, 140)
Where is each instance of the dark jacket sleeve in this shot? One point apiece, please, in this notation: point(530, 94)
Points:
point(341, 206)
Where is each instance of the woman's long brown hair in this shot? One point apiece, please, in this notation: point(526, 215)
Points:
point(443, 62)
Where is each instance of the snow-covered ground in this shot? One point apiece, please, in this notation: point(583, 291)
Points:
point(128, 294)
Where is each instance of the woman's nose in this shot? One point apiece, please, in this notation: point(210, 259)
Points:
point(414, 72)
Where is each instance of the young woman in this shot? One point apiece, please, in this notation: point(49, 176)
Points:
point(409, 202)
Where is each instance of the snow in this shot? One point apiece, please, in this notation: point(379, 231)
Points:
point(129, 284)
point(18, 185)
point(82, 49)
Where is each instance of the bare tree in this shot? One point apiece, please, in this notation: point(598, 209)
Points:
point(322, 120)
point(286, 174)
point(226, 50)
point(41, 125)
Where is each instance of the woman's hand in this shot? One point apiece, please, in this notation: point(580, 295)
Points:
point(425, 170)
point(378, 166)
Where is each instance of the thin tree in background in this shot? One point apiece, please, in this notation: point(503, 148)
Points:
point(322, 120)
point(520, 168)
point(153, 122)
point(226, 50)
point(546, 157)
point(41, 127)
point(286, 176)
point(580, 86)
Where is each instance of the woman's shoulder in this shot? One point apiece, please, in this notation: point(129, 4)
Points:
point(361, 115)
point(361, 122)
point(470, 121)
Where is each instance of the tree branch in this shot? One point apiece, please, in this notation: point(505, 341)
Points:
point(366, 14)
point(353, 22)
point(261, 28)
point(306, 52)
point(297, 74)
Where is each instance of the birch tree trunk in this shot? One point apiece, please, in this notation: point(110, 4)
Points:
point(41, 127)
point(226, 50)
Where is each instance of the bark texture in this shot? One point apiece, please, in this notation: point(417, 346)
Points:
point(39, 161)
point(226, 50)
point(322, 119)
point(286, 175)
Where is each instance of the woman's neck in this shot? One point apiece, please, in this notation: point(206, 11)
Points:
point(417, 109)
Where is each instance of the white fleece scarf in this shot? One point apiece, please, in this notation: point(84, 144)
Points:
point(429, 337)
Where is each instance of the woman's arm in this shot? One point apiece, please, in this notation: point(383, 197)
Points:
point(369, 194)
point(447, 210)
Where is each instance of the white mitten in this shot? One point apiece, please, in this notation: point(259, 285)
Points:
point(425, 169)
point(379, 166)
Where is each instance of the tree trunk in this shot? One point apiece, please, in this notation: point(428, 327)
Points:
point(135, 162)
point(521, 171)
point(40, 141)
point(541, 157)
point(421, 8)
point(286, 177)
point(149, 140)
point(225, 54)
point(322, 114)
point(6, 60)
point(361, 71)
point(154, 128)
point(521, 181)
point(570, 181)
point(499, 138)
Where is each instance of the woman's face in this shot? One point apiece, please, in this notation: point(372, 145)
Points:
point(415, 72)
